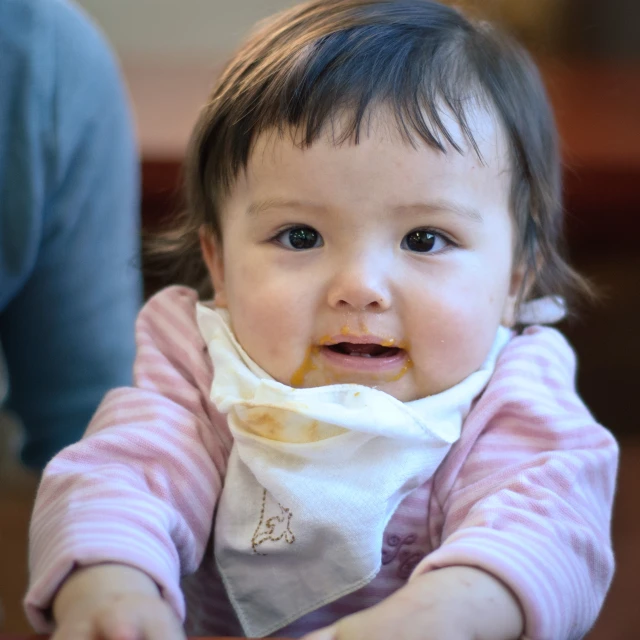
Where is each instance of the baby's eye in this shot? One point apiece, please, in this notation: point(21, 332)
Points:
point(424, 241)
point(299, 238)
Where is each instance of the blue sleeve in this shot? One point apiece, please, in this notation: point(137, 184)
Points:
point(68, 334)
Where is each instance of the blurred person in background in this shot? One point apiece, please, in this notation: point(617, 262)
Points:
point(69, 223)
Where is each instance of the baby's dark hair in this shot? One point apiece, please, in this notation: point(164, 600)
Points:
point(329, 59)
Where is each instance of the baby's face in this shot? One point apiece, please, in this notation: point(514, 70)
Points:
point(378, 263)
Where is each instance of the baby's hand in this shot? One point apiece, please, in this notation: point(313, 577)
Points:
point(113, 602)
point(457, 603)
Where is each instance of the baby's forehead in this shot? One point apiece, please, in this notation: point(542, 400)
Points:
point(479, 133)
point(381, 172)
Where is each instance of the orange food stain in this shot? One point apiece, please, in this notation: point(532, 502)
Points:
point(269, 425)
point(313, 432)
point(308, 365)
point(408, 365)
point(264, 424)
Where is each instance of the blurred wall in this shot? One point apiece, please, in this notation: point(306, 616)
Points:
point(603, 29)
point(208, 30)
point(179, 31)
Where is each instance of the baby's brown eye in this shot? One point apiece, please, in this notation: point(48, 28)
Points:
point(304, 238)
point(300, 238)
point(424, 241)
point(421, 241)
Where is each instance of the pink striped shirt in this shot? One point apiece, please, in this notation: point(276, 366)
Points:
point(525, 494)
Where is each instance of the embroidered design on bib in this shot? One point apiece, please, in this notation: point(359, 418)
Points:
point(408, 558)
point(266, 528)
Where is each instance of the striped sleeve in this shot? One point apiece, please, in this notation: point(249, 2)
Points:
point(527, 492)
point(140, 487)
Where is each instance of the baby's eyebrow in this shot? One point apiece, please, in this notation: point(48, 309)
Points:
point(439, 206)
point(261, 206)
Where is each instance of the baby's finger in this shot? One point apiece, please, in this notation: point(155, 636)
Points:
point(78, 631)
point(118, 626)
point(165, 627)
point(328, 633)
point(161, 624)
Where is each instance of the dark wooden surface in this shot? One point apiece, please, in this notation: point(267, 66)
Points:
point(598, 112)
point(4, 636)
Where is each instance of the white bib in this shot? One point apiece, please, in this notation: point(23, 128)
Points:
point(314, 476)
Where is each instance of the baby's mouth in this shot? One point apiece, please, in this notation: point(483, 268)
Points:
point(379, 358)
point(364, 350)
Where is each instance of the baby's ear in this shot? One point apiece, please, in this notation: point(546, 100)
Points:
point(212, 255)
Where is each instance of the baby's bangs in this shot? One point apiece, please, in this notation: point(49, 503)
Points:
point(339, 82)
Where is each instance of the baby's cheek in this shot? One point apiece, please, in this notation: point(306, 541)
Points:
point(261, 331)
point(451, 342)
point(473, 340)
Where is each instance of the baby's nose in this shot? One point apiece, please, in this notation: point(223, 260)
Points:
point(360, 285)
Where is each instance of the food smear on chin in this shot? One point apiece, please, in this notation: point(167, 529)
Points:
point(308, 365)
point(407, 365)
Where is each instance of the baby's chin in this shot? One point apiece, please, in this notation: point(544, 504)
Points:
point(405, 388)
point(401, 388)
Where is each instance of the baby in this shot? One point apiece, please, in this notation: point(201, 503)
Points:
point(352, 424)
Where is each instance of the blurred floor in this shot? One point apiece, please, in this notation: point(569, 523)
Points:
point(620, 618)
point(17, 488)
point(608, 344)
